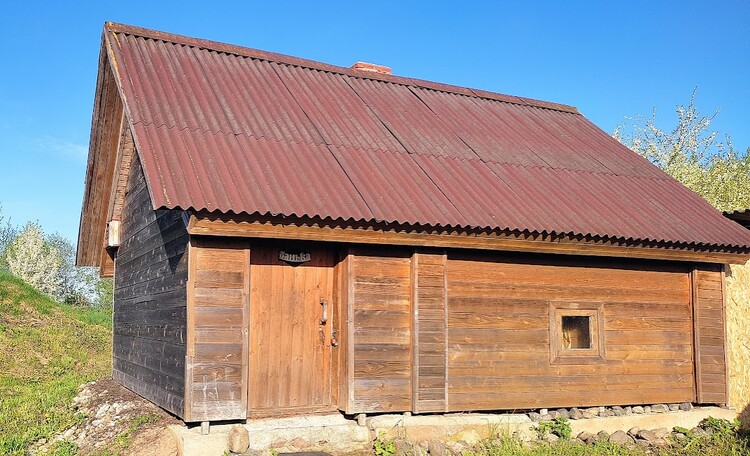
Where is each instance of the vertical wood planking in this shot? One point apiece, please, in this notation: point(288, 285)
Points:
point(429, 331)
point(710, 334)
point(290, 347)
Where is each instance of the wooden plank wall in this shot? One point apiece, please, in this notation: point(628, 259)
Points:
point(498, 319)
point(149, 341)
point(379, 333)
point(429, 373)
point(710, 334)
point(218, 312)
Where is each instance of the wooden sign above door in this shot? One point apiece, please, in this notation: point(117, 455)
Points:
point(294, 257)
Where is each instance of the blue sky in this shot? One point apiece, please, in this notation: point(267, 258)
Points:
point(610, 59)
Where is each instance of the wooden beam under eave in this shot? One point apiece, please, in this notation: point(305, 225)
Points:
point(106, 127)
point(200, 225)
point(107, 263)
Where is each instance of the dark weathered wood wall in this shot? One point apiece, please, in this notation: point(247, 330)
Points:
point(150, 299)
point(710, 334)
point(218, 312)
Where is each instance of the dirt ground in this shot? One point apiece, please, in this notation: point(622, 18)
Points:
point(117, 422)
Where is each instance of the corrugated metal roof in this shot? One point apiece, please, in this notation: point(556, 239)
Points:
point(236, 130)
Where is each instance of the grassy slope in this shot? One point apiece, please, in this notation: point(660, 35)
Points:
point(46, 351)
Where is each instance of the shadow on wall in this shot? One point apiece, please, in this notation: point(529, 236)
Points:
point(738, 339)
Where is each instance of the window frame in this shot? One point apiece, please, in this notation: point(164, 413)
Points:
point(562, 355)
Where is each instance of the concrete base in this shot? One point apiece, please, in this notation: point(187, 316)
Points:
point(336, 435)
point(471, 428)
point(666, 420)
point(330, 433)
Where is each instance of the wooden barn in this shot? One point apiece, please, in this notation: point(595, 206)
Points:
point(291, 237)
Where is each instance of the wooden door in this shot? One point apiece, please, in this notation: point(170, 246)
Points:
point(290, 340)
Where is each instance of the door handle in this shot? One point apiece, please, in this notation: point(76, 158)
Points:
point(324, 317)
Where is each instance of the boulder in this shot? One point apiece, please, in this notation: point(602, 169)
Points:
point(621, 438)
point(659, 408)
point(647, 409)
point(551, 438)
point(628, 410)
point(563, 413)
point(649, 436)
point(546, 417)
point(674, 407)
point(587, 414)
point(436, 448)
point(238, 439)
point(638, 410)
point(535, 417)
point(554, 414)
point(575, 414)
point(455, 447)
point(587, 437)
point(602, 436)
point(661, 432)
point(686, 406)
point(633, 432)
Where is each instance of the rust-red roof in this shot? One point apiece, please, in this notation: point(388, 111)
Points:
point(237, 130)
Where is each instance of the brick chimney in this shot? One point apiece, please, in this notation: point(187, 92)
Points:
point(371, 68)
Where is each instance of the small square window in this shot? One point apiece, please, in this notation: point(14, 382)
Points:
point(576, 332)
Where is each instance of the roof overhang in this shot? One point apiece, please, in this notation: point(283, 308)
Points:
point(111, 149)
point(256, 226)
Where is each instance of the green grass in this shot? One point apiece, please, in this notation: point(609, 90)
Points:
point(47, 350)
point(730, 442)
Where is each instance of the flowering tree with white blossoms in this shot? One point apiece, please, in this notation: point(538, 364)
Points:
point(35, 261)
point(693, 154)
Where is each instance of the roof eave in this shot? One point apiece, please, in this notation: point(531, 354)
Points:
point(244, 225)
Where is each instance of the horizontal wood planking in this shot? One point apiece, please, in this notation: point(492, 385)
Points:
point(218, 313)
point(380, 289)
point(149, 321)
point(429, 333)
point(498, 332)
point(710, 338)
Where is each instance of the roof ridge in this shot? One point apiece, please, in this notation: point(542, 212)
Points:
point(114, 27)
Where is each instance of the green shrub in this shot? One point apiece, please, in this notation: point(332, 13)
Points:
point(384, 446)
point(559, 427)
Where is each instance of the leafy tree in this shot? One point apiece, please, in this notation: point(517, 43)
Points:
point(693, 154)
point(7, 234)
point(79, 286)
